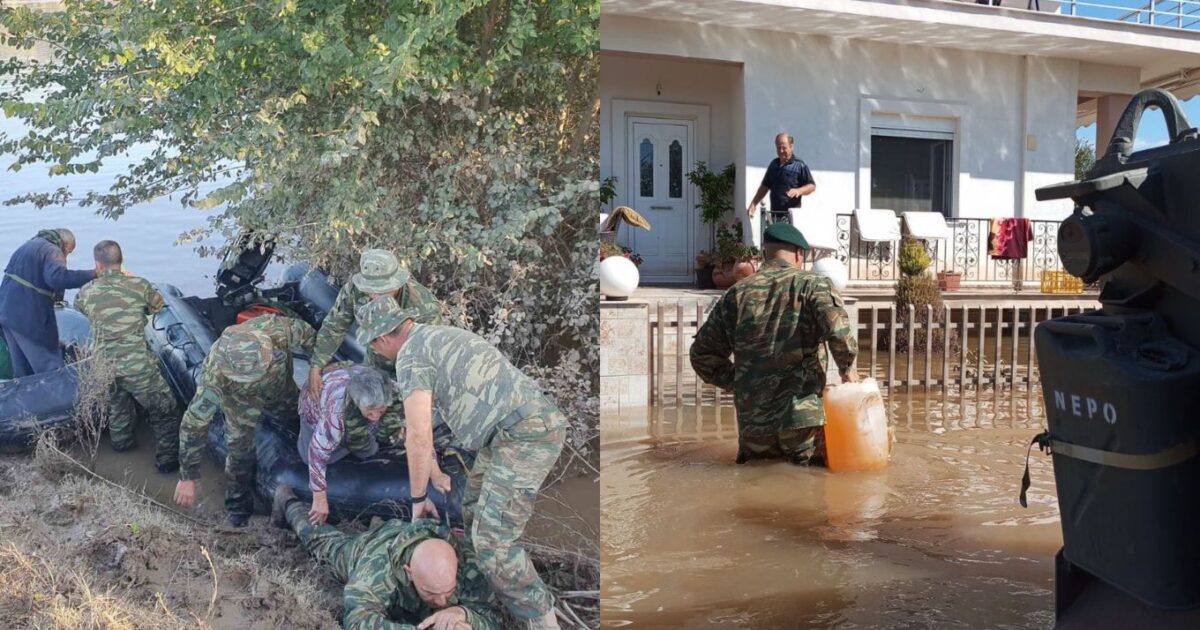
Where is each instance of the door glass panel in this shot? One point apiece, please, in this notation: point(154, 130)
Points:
point(647, 168)
point(675, 152)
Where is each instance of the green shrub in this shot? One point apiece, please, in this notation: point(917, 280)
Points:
point(914, 260)
point(916, 290)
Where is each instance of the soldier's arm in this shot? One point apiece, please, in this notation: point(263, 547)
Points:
point(193, 429)
point(81, 301)
point(429, 308)
point(334, 328)
point(365, 598)
point(300, 334)
point(154, 301)
point(713, 345)
point(835, 325)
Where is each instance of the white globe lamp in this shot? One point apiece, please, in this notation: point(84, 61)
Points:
point(618, 277)
point(833, 269)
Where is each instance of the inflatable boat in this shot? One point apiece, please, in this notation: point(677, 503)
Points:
point(184, 331)
point(33, 404)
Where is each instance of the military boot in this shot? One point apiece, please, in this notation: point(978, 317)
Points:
point(279, 503)
point(237, 520)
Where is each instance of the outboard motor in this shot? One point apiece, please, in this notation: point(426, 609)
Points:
point(1121, 384)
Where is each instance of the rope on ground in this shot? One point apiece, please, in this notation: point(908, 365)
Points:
point(141, 495)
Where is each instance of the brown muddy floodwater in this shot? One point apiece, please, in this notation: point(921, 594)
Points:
point(937, 539)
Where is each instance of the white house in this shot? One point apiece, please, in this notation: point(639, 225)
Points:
point(933, 105)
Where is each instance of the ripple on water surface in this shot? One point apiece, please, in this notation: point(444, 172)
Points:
point(691, 539)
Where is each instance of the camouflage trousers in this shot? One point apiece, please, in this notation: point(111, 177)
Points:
point(142, 383)
point(242, 408)
point(801, 445)
point(325, 543)
point(501, 491)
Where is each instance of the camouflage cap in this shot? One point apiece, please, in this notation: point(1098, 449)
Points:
point(785, 233)
point(245, 355)
point(380, 317)
point(379, 272)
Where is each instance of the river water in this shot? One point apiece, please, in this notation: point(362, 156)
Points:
point(937, 539)
point(148, 233)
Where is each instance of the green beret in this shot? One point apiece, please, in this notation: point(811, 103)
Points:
point(785, 233)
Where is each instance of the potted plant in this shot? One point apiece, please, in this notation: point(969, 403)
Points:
point(716, 199)
point(949, 280)
point(704, 270)
point(612, 249)
point(748, 261)
point(732, 259)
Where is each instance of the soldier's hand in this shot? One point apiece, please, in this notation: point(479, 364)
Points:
point(850, 376)
point(319, 510)
point(446, 619)
point(441, 481)
point(315, 382)
point(425, 509)
point(185, 493)
point(750, 210)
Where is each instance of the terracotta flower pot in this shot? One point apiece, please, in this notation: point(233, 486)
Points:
point(744, 269)
point(949, 280)
point(723, 277)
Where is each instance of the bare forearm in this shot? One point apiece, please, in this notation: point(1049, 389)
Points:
point(420, 462)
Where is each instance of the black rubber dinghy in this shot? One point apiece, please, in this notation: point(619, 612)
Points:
point(182, 335)
point(33, 404)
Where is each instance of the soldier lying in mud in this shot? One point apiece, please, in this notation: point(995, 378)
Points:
point(397, 574)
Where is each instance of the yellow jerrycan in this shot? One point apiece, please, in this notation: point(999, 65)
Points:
point(856, 427)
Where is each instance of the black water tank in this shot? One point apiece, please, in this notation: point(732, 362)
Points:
point(1122, 397)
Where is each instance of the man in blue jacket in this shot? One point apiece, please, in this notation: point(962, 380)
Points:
point(34, 280)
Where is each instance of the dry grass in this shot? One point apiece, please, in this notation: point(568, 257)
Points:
point(40, 592)
point(97, 378)
point(80, 553)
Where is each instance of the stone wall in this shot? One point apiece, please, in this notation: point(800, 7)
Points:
point(624, 355)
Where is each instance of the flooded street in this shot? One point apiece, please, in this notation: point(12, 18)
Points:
point(691, 539)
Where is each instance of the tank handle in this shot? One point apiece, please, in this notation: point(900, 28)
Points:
point(1178, 129)
point(1098, 333)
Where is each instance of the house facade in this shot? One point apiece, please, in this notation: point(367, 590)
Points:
point(910, 105)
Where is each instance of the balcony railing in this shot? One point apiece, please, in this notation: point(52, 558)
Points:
point(1182, 14)
point(965, 251)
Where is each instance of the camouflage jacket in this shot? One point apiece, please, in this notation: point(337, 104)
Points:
point(473, 385)
point(118, 306)
point(775, 324)
point(215, 390)
point(341, 316)
point(378, 589)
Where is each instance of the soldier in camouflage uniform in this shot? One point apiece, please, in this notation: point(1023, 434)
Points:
point(490, 407)
point(776, 324)
point(117, 305)
point(247, 371)
point(379, 274)
point(411, 573)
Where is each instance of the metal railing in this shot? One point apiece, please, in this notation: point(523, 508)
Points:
point(965, 251)
point(962, 347)
point(1182, 14)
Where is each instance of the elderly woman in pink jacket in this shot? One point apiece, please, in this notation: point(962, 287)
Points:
point(355, 405)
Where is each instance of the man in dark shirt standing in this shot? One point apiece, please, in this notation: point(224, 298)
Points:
point(788, 180)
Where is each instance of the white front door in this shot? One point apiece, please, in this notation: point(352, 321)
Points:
point(660, 153)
